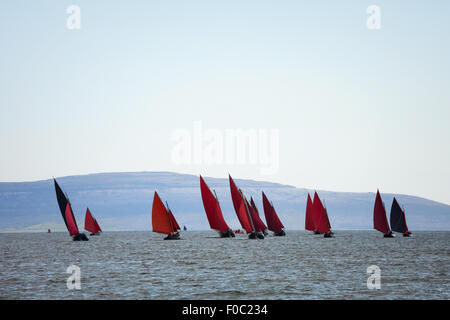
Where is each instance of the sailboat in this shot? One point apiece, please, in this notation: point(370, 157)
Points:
point(163, 220)
point(213, 211)
point(309, 221)
point(398, 219)
point(320, 218)
point(91, 224)
point(67, 213)
point(259, 224)
point(380, 222)
point(273, 222)
point(242, 211)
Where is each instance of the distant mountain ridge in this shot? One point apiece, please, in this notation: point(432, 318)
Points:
point(123, 201)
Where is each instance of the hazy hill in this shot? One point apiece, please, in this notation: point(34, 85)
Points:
point(123, 201)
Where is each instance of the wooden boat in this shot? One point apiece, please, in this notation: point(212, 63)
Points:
point(243, 212)
point(67, 213)
point(398, 219)
point(91, 224)
point(213, 211)
point(380, 221)
point(273, 222)
point(163, 220)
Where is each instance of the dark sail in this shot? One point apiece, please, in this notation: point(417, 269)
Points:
point(63, 202)
point(398, 221)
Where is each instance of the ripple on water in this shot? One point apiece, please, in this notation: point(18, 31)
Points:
point(140, 265)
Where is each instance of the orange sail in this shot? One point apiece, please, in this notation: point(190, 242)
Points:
point(163, 220)
point(243, 218)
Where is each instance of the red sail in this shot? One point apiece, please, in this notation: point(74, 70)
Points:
point(380, 222)
point(273, 222)
point(70, 220)
point(320, 216)
point(309, 221)
point(212, 208)
point(162, 219)
point(240, 207)
point(97, 226)
point(89, 222)
point(235, 195)
point(244, 218)
point(63, 202)
point(324, 223)
point(317, 208)
point(258, 223)
point(173, 221)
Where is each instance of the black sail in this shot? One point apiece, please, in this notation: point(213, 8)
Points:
point(62, 203)
point(398, 222)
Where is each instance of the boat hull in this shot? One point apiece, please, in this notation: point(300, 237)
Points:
point(255, 235)
point(80, 237)
point(227, 234)
point(172, 237)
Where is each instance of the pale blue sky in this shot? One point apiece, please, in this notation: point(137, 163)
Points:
point(356, 109)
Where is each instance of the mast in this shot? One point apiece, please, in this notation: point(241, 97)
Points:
point(168, 215)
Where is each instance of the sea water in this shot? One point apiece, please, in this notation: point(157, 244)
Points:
point(141, 265)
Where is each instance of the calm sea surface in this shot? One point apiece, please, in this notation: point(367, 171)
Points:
point(141, 265)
